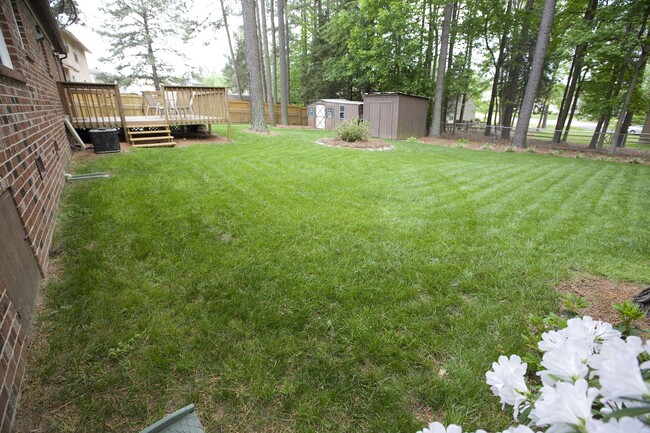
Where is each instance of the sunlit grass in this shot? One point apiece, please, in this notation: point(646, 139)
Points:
point(282, 285)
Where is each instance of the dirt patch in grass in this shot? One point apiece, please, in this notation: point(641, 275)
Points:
point(601, 293)
point(366, 145)
point(475, 142)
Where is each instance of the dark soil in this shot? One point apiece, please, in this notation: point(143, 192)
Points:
point(601, 293)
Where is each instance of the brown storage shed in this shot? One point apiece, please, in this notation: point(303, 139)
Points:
point(396, 115)
point(328, 113)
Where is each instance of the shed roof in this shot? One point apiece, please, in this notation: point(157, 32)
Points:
point(341, 101)
point(394, 93)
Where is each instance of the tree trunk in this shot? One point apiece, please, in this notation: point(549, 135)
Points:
point(575, 77)
point(267, 63)
point(284, 66)
point(258, 122)
point(233, 59)
point(450, 64)
point(639, 66)
point(434, 130)
point(574, 106)
point(510, 97)
point(519, 140)
point(274, 84)
point(151, 59)
point(498, 62)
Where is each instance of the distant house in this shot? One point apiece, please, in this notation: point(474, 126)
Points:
point(328, 113)
point(75, 65)
point(396, 115)
point(34, 153)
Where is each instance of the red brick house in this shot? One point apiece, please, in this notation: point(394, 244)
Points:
point(34, 152)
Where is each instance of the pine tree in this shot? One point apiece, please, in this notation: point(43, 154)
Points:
point(253, 65)
point(139, 32)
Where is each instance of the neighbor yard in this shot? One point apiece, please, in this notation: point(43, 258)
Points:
point(286, 286)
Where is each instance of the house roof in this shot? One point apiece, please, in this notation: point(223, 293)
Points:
point(41, 10)
point(341, 101)
point(394, 93)
point(73, 38)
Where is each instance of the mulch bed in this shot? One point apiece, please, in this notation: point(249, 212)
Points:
point(181, 141)
point(601, 293)
point(364, 145)
point(481, 142)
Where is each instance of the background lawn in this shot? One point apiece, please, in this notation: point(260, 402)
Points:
point(285, 286)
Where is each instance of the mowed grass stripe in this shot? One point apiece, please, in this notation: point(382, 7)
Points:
point(287, 286)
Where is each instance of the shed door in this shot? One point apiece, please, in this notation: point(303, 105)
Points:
point(380, 115)
point(320, 116)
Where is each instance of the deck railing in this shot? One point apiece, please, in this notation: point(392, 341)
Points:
point(92, 105)
point(190, 105)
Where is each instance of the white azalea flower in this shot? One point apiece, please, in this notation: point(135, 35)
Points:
point(552, 340)
point(565, 364)
point(564, 406)
point(632, 346)
point(620, 376)
point(518, 429)
point(507, 382)
point(436, 427)
point(623, 425)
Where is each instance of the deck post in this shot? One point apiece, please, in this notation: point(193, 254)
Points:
point(164, 99)
point(122, 116)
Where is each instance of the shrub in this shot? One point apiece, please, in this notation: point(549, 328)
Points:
point(353, 130)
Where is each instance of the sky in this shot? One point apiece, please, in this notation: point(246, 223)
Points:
point(212, 57)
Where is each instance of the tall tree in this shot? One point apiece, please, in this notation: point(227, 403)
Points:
point(284, 63)
point(572, 92)
point(530, 94)
point(140, 34)
point(233, 59)
point(253, 66)
point(267, 63)
point(436, 120)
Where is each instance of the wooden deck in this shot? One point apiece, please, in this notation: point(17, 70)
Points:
point(92, 106)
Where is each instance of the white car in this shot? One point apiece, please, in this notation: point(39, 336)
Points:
point(635, 129)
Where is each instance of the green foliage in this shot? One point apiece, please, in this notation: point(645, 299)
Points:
point(572, 304)
point(228, 73)
point(412, 139)
point(628, 313)
point(352, 130)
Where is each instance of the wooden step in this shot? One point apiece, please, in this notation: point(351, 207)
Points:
point(170, 144)
point(159, 137)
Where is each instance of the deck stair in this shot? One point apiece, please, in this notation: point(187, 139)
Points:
point(154, 135)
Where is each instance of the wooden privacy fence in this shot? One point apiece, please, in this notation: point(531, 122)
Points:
point(240, 112)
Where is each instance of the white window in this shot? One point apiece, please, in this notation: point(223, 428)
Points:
point(5, 60)
point(328, 113)
point(76, 57)
point(310, 111)
point(341, 111)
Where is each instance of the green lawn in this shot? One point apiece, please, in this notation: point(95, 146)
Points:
point(285, 286)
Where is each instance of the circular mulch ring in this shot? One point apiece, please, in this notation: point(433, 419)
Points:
point(363, 145)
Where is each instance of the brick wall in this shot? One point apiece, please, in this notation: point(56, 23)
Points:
point(34, 152)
